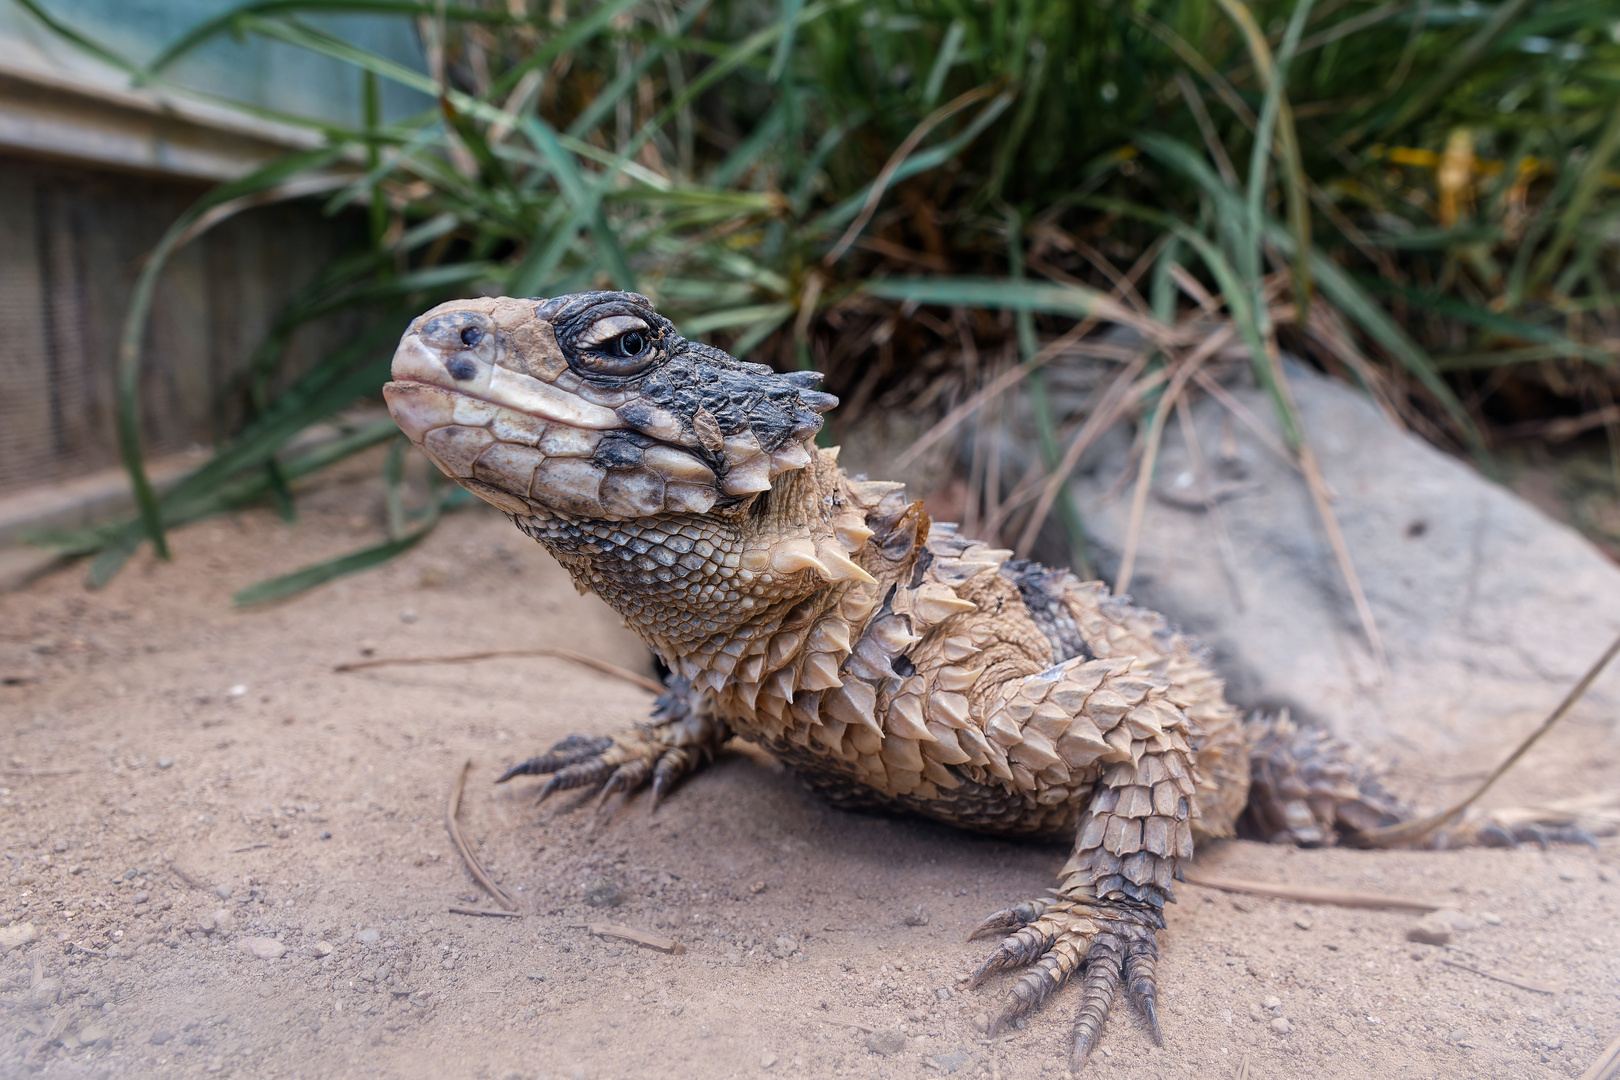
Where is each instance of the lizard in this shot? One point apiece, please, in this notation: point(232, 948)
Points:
point(888, 660)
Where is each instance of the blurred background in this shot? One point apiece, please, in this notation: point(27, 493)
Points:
point(1008, 232)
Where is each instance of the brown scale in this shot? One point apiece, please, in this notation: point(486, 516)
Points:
point(888, 661)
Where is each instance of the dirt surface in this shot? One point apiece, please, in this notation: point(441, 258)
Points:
point(182, 784)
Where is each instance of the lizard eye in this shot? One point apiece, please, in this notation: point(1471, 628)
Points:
point(614, 345)
point(629, 346)
point(471, 336)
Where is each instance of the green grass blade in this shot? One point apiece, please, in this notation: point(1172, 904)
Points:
point(308, 577)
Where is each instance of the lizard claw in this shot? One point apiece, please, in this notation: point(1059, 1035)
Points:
point(660, 753)
point(1108, 944)
point(1011, 918)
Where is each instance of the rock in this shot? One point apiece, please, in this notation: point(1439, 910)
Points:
point(91, 1034)
point(949, 1063)
point(44, 994)
point(165, 762)
point(886, 1043)
point(981, 1021)
point(1491, 919)
point(223, 891)
point(320, 948)
point(220, 922)
point(1430, 930)
point(17, 935)
point(783, 947)
point(1488, 609)
point(368, 937)
point(140, 898)
point(1281, 1026)
point(767, 1060)
point(262, 947)
point(1456, 920)
point(1304, 922)
point(160, 1036)
point(1273, 1003)
point(235, 692)
point(602, 892)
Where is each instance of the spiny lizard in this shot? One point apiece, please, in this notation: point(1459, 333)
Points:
point(888, 660)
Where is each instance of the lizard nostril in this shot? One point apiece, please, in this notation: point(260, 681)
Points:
point(461, 367)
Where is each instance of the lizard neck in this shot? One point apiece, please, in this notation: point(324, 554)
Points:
point(732, 597)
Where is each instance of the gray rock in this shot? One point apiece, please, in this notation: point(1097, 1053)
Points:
point(223, 891)
point(886, 1043)
point(44, 994)
point(1488, 609)
point(263, 948)
point(603, 892)
point(160, 1036)
point(368, 937)
point(949, 1063)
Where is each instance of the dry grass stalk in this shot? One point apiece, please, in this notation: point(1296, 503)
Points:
point(1607, 1065)
point(1150, 454)
point(637, 937)
point(1412, 831)
point(1512, 980)
point(466, 658)
point(451, 809)
point(1334, 897)
point(456, 909)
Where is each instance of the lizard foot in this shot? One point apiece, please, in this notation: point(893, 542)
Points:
point(678, 742)
point(1054, 939)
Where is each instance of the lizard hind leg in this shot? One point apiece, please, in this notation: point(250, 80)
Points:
point(1308, 787)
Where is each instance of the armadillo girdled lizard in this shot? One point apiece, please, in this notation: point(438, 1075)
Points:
point(888, 660)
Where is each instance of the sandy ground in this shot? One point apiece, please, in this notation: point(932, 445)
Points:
point(179, 781)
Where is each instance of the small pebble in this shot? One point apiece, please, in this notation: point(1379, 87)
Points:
point(982, 1022)
point(886, 1042)
point(1491, 919)
point(141, 897)
point(1304, 922)
point(758, 887)
point(165, 762)
point(160, 1036)
point(321, 948)
point(326, 834)
point(263, 948)
point(1281, 1025)
point(767, 1060)
point(223, 891)
point(17, 934)
point(59, 847)
point(782, 947)
point(1274, 1003)
point(43, 994)
point(407, 615)
point(1430, 931)
point(235, 692)
point(600, 892)
point(91, 1034)
point(368, 937)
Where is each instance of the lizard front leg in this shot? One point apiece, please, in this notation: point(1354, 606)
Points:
point(682, 737)
point(1136, 828)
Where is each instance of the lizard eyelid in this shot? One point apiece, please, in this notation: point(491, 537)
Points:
point(605, 330)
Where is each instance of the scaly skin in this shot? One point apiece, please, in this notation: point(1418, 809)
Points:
point(887, 660)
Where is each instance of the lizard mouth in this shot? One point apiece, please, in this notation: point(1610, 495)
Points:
point(512, 423)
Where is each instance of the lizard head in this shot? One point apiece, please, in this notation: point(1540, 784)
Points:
point(593, 406)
